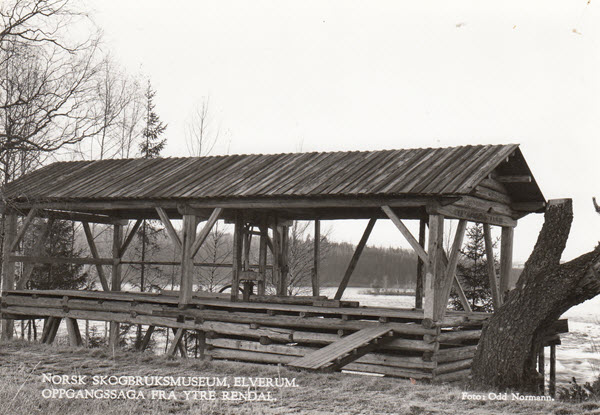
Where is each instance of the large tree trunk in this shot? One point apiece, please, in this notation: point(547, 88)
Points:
point(506, 354)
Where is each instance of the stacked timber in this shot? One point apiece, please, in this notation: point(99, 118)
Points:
point(274, 332)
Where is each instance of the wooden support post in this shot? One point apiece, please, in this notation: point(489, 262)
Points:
point(54, 324)
point(316, 259)
point(237, 256)
point(146, 340)
point(276, 258)
point(48, 322)
point(354, 260)
point(94, 251)
point(542, 369)
point(8, 268)
point(176, 341)
point(433, 273)
point(116, 281)
point(73, 332)
point(420, 267)
point(506, 257)
point(491, 266)
point(201, 335)
point(450, 269)
point(187, 262)
point(552, 380)
point(284, 247)
point(262, 260)
point(247, 240)
point(38, 249)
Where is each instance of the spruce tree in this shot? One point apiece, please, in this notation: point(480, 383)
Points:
point(472, 272)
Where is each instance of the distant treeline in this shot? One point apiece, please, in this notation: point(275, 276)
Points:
point(377, 267)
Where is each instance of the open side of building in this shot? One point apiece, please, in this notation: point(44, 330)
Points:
point(261, 195)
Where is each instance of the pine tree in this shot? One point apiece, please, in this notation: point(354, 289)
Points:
point(472, 272)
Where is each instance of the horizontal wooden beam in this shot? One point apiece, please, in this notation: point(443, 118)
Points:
point(513, 179)
point(53, 260)
point(473, 215)
point(528, 206)
point(80, 217)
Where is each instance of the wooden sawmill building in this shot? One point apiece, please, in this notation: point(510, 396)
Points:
point(261, 195)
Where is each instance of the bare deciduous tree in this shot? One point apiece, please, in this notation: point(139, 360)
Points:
point(201, 134)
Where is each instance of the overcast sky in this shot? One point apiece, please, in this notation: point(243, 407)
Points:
point(284, 76)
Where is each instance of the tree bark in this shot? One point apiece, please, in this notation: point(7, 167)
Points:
point(506, 353)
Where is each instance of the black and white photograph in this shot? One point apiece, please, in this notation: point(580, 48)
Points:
point(299, 207)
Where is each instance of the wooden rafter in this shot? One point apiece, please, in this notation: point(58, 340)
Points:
point(354, 260)
point(95, 255)
point(170, 229)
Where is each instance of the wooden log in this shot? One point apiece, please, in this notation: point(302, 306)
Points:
point(95, 255)
point(405, 362)
point(472, 214)
point(8, 268)
point(388, 371)
point(485, 193)
point(450, 269)
point(433, 273)
point(506, 256)
point(352, 265)
point(246, 356)
point(453, 366)
point(73, 332)
point(146, 340)
point(253, 346)
point(170, 229)
point(114, 330)
point(237, 256)
point(187, 267)
point(491, 266)
point(420, 268)
point(458, 336)
point(316, 259)
point(452, 376)
point(214, 217)
point(495, 185)
point(454, 354)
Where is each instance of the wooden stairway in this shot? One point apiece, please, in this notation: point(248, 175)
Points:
point(345, 350)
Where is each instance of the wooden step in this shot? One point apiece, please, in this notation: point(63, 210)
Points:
point(345, 350)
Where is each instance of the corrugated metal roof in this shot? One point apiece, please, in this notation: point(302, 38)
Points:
point(428, 171)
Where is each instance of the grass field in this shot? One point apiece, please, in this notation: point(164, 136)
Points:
point(22, 387)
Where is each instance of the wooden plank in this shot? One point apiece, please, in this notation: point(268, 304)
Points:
point(170, 229)
point(316, 259)
point(506, 259)
point(450, 270)
point(359, 248)
point(434, 277)
point(187, 266)
point(514, 179)
point(237, 256)
point(214, 217)
point(420, 268)
point(404, 230)
point(95, 255)
point(37, 251)
point(389, 371)
point(8, 268)
point(26, 222)
point(491, 266)
point(130, 237)
point(328, 355)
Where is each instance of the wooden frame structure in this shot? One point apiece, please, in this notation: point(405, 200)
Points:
point(261, 195)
